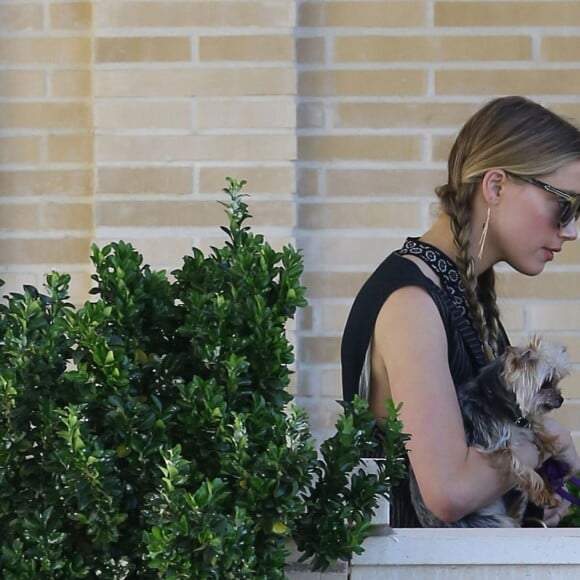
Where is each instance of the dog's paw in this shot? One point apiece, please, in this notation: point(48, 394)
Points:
point(544, 498)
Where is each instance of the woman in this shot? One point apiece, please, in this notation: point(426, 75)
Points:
point(513, 174)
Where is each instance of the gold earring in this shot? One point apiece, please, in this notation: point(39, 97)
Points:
point(484, 233)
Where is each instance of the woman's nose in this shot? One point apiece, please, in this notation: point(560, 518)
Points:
point(570, 231)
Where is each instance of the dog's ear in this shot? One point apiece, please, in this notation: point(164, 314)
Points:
point(517, 357)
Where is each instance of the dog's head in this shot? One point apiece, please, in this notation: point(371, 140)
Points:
point(533, 373)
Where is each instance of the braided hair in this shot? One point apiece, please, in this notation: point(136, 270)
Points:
point(516, 134)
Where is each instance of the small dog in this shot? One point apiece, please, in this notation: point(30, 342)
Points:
point(504, 403)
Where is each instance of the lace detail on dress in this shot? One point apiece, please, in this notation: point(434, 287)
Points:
point(444, 267)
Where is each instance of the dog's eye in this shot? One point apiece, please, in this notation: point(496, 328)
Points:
point(547, 384)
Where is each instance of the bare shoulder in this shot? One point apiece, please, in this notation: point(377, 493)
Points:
point(410, 312)
point(411, 343)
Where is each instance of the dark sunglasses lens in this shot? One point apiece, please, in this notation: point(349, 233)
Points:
point(569, 210)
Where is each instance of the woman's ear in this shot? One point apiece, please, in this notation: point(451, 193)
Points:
point(491, 185)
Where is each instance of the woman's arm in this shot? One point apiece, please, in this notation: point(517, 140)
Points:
point(410, 358)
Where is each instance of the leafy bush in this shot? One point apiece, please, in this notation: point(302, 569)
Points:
point(572, 518)
point(150, 432)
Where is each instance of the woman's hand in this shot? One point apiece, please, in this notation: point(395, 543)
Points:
point(553, 516)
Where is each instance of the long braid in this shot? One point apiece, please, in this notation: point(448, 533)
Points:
point(488, 298)
point(460, 218)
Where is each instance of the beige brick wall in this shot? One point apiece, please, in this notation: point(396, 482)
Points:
point(122, 118)
point(46, 143)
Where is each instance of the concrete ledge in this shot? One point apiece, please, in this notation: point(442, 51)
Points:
point(473, 553)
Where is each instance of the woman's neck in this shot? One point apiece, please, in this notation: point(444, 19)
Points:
point(441, 236)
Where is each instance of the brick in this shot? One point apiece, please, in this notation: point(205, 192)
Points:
point(332, 318)
point(367, 147)
point(431, 48)
point(311, 14)
point(420, 115)
point(279, 47)
point(21, 16)
point(144, 180)
point(342, 252)
point(260, 179)
point(134, 114)
point(320, 349)
point(71, 15)
point(189, 214)
point(39, 115)
point(381, 182)
point(310, 50)
point(157, 214)
point(534, 81)
point(378, 215)
point(71, 83)
point(321, 285)
point(311, 115)
point(569, 415)
point(441, 146)
point(70, 148)
point(71, 216)
point(571, 386)
point(554, 316)
point(337, 83)
point(309, 386)
point(46, 182)
point(550, 285)
point(18, 216)
point(52, 251)
point(387, 13)
point(239, 114)
point(560, 48)
point(20, 149)
point(63, 51)
point(185, 148)
point(308, 181)
point(272, 214)
point(159, 82)
point(304, 318)
point(212, 13)
point(19, 83)
point(331, 385)
point(512, 315)
point(570, 255)
point(508, 13)
point(571, 111)
point(153, 49)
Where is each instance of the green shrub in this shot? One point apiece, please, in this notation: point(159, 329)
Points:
point(150, 432)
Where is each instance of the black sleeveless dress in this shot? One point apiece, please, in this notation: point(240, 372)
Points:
point(465, 350)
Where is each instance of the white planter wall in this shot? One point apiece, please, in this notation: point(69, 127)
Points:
point(476, 554)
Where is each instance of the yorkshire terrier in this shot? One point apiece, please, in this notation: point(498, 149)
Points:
point(504, 404)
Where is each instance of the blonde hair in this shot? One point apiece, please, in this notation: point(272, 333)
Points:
point(518, 135)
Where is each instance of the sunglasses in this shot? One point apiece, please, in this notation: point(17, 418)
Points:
point(569, 201)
